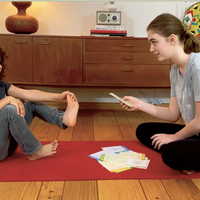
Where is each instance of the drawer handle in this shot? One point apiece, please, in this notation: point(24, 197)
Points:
point(128, 58)
point(127, 70)
point(20, 41)
point(44, 43)
point(128, 45)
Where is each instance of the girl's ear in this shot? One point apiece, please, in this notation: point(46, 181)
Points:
point(173, 39)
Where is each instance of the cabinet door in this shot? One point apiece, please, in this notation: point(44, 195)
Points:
point(18, 65)
point(57, 60)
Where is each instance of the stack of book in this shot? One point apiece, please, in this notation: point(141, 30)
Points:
point(108, 31)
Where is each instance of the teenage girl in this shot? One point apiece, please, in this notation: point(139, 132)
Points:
point(179, 145)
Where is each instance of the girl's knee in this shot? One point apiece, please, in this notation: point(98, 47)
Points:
point(9, 109)
point(8, 112)
point(140, 130)
point(169, 156)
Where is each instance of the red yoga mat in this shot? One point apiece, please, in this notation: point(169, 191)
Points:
point(71, 162)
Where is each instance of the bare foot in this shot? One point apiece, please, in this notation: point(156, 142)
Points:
point(70, 115)
point(188, 172)
point(45, 150)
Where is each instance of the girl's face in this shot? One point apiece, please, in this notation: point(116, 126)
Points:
point(160, 46)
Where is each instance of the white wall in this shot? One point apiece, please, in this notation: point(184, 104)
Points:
point(78, 18)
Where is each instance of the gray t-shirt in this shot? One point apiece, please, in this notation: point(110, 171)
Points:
point(186, 87)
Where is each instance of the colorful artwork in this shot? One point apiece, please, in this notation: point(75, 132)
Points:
point(192, 19)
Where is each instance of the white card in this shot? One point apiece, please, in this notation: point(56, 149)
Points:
point(138, 163)
point(120, 99)
point(115, 149)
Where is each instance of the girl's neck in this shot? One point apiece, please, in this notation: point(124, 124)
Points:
point(181, 59)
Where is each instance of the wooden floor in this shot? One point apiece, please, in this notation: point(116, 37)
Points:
point(99, 125)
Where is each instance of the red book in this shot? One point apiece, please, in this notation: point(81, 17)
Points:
point(108, 31)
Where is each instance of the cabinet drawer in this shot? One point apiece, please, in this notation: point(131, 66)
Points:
point(123, 58)
point(105, 44)
point(137, 75)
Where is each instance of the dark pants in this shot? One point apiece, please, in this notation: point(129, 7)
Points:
point(179, 155)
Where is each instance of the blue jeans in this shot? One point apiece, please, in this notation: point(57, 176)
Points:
point(14, 129)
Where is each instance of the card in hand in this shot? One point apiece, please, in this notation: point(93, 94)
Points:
point(120, 99)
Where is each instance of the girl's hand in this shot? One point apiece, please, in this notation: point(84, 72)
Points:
point(19, 106)
point(161, 139)
point(63, 96)
point(132, 100)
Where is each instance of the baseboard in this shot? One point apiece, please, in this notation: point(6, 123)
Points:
point(92, 106)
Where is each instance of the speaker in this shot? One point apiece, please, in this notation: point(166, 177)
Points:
point(108, 17)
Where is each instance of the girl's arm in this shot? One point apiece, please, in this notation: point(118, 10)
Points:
point(193, 127)
point(37, 95)
point(171, 113)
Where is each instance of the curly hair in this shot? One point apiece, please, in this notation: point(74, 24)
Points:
point(3, 57)
point(167, 24)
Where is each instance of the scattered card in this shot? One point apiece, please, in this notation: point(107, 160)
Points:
point(115, 149)
point(120, 99)
point(119, 158)
point(138, 163)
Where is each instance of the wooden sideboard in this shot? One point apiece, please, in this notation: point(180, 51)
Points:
point(46, 60)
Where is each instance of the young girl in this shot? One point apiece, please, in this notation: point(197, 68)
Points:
point(15, 117)
point(179, 145)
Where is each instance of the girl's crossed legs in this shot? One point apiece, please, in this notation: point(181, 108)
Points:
point(179, 155)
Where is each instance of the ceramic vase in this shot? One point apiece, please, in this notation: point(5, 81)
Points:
point(21, 23)
point(111, 6)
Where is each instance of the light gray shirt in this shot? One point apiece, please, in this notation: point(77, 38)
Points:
point(186, 87)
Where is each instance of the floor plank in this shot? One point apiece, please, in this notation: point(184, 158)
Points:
point(150, 118)
point(183, 189)
point(19, 190)
point(196, 182)
point(51, 190)
point(154, 189)
point(80, 190)
point(120, 190)
point(34, 123)
point(126, 129)
point(84, 129)
point(135, 118)
point(106, 127)
point(65, 134)
point(45, 132)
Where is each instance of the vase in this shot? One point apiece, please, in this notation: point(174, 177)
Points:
point(21, 23)
point(112, 7)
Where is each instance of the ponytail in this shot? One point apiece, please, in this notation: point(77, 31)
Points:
point(191, 43)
